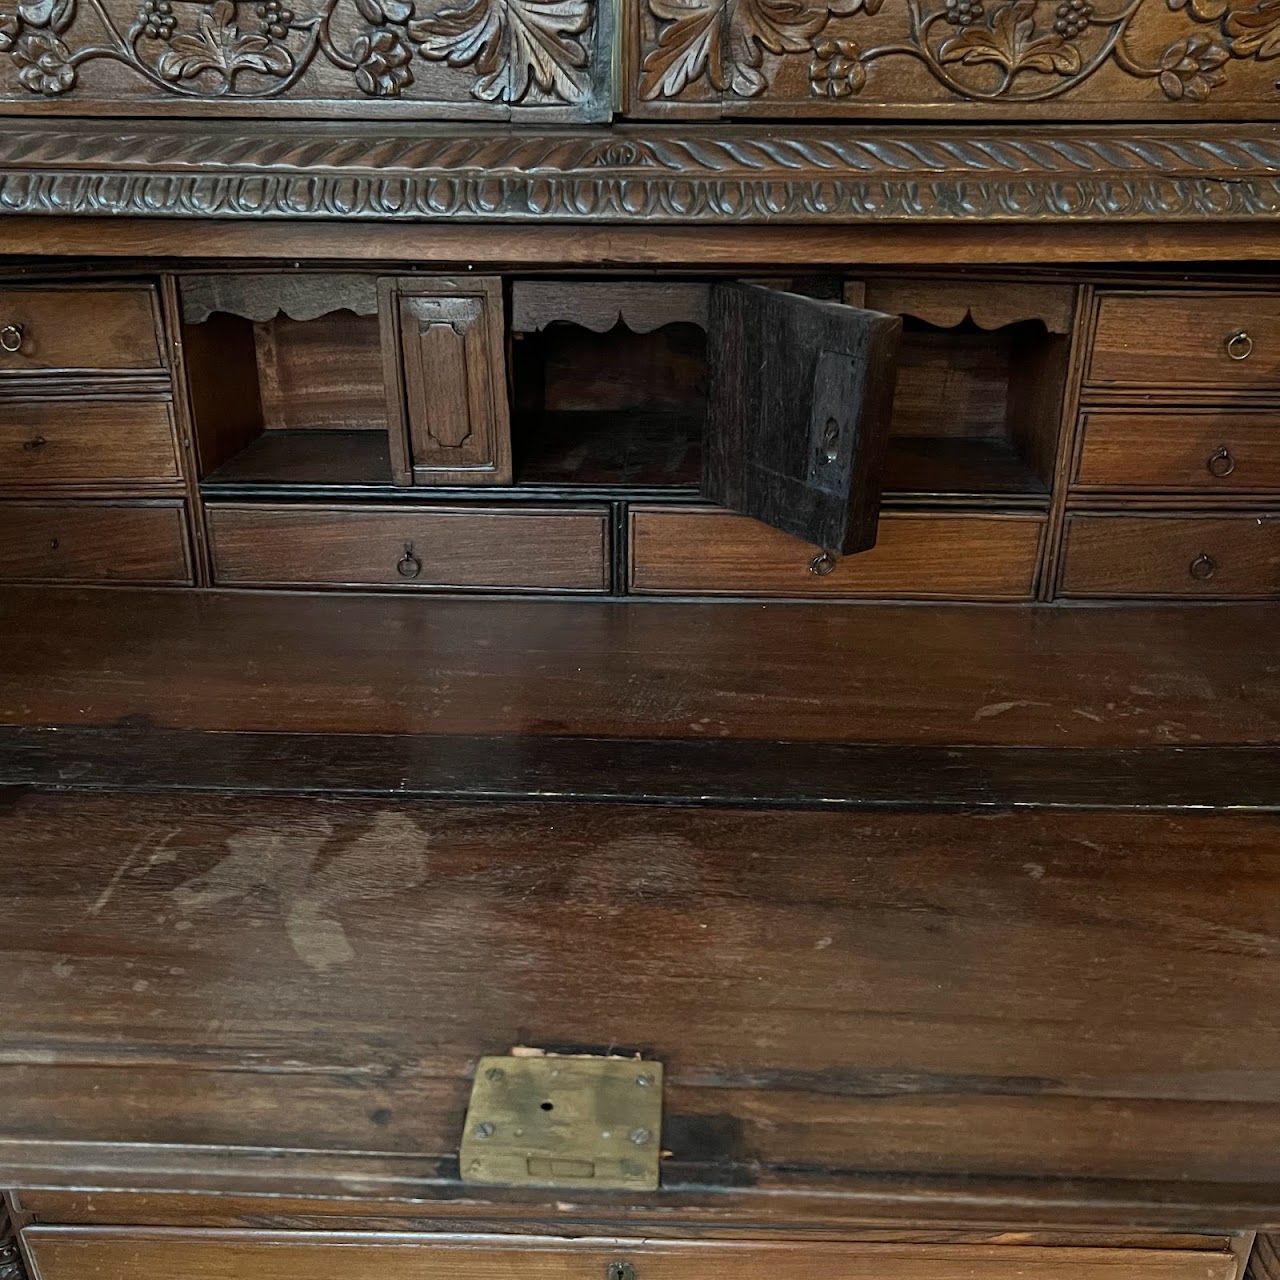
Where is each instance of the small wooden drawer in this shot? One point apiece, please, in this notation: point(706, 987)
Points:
point(1178, 556)
point(411, 547)
point(94, 542)
point(80, 330)
point(104, 1253)
point(1229, 341)
point(82, 441)
point(1203, 451)
point(916, 556)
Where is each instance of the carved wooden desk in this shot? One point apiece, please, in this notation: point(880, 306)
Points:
point(638, 639)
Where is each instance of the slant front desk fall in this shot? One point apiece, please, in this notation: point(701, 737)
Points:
point(639, 639)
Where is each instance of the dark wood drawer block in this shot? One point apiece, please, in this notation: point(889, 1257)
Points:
point(123, 542)
point(1225, 340)
point(79, 442)
point(916, 556)
point(411, 548)
point(1183, 556)
point(1204, 451)
point(79, 330)
point(87, 1253)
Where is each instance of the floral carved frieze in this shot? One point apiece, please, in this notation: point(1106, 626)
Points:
point(980, 52)
point(506, 53)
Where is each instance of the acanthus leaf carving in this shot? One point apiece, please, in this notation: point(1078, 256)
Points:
point(980, 50)
point(514, 45)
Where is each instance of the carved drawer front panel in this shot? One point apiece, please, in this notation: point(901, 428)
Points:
point(450, 386)
point(411, 548)
point(1229, 341)
point(101, 1253)
point(916, 556)
point(86, 441)
point(420, 59)
point(1203, 451)
point(94, 542)
point(78, 330)
point(1034, 59)
point(1187, 557)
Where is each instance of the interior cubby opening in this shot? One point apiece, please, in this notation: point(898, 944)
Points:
point(616, 408)
point(286, 378)
point(976, 410)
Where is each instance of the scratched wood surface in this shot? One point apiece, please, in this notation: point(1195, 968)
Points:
point(1057, 677)
point(1021, 998)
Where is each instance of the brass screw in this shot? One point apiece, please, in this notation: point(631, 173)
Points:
point(644, 1081)
point(495, 1074)
point(640, 1136)
point(483, 1130)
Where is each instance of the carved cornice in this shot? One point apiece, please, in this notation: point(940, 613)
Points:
point(673, 174)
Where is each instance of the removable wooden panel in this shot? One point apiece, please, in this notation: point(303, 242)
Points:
point(799, 400)
point(953, 556)
point(78, 1253)
point(83, 329)
point(85, 442)
point(1203, 450)
point(411, 548)
point(1189, 557)
point(93, 542)
point(1160, 340)
point(454, 392)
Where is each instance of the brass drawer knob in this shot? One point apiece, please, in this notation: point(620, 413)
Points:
point(34, 445)
point(408, 566)
point(823, 564)
point(1221, 463)
point(1203, 567)
point(11, 338)
point(1239, 345)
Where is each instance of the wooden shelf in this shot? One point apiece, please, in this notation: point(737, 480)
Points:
point(281, 458)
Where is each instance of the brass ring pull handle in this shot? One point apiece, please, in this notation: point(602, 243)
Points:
point(1203, 567)
point(11, 338)
point(408, 566)
point(823, 564)
point(1221, 463)
point(34, 444)
point(1239, 345)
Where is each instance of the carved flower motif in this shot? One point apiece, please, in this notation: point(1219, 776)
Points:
point(836, 70)
point(156, 17)
point(1192, 67)
point(274, 19)
point(44, 64)
point(382, 59)
point(1255, 33)
point(1011, 40)
point(10, 30)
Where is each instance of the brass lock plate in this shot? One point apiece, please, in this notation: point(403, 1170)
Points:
point(564, 1122)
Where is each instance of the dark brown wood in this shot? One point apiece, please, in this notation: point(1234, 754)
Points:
point(79, 442)
point(1264, 1260)
point(1083, 975)
point(1186, 556)
point(450, 384)
point(1049, 676)
point(70, 1253)
point(94, 542)
point(683, 771)
point(1190, 450)
point(640, 307)
point(799, 399)
point(917, 556)
point(411, 548)
point(82, 329)
point(1182, 340)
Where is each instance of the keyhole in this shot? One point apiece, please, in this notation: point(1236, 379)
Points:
point(831, 441)
point(548, 1106)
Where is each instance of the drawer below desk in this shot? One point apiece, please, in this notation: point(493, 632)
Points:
point(70, 1253)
